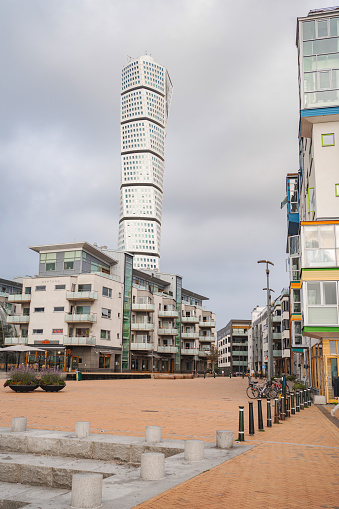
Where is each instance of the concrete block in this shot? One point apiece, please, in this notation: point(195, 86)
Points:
point(19, 424)
point(76, 448)
point(13, 443)
point(319, 400)
point(153, 434)
point(35, 475)
point(37, 445)
point(86, 491)
point(110, 452)
point(194, 450)
point(224, 439)
point(62, 477)
point(9, 472)
point(82, 429)
point(152, 466)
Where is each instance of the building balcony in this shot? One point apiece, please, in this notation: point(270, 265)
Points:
point(80, 318)
point(236, 332)
point(204, 353)
point(207, 324)
point(80, 341)
point(189, 319)
point(239, 363)
point(190, 351)
point(276, 319)
point(18, 319)
point(82, 295)
point(19, 297)
point(190, 335)
point(146, 347)
point(277, 353)
point(240, 353)
point(167, 349)
point(276, 335)
point(16, 341)
point(142, 326)
point(142, 307)
point(240, 344)
point(164, 314)
point(167, 331)
point(206, 339)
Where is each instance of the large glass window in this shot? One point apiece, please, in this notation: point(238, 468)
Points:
point(322, 302)
point(320, 244)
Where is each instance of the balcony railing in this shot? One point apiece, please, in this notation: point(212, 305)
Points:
point(190, 351)
point(206, 339)
point(190, 335)
point(240, 353)
point(167, 331)
point(16, 341)
point(167, 349)
point(240, 344)
point(82, 295)
point(204, 353)
point(142, 326)
point(79, 341)
point(142, 307)
point(163, 314)
point(207, 324)
point(142, 346)
point(80, 318)
point(20, 297)
point(277, 353)
point(276, 335)
point(190, 319)
point(18, 319)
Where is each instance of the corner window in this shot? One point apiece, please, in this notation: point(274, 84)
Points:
point(322, 302)
point(327, 140)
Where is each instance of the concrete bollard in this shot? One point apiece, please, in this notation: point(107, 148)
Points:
point(82, 429)
point(194, 450)
point(224, 439)
point(153, 434)
point(86, 491)
point(152, 466)
point(19, 424)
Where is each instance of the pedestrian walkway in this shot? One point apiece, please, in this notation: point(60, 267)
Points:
point(294, 463)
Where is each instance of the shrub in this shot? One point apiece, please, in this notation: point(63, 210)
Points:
point(50, 377)
point(291, 378)
point(23, 376)
point(298, 385)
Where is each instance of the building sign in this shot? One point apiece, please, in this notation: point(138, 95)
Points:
point(47, 342)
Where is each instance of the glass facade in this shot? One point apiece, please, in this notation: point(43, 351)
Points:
point(126, 327)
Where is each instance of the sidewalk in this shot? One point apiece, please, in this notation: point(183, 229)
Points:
point(293, 464)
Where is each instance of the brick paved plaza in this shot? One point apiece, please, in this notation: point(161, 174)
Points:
point(294, 464)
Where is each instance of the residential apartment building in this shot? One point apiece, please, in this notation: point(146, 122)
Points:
point(232, 344)
point(146, 92)
point(314, 246)
point(7, 288)
point(90, 309)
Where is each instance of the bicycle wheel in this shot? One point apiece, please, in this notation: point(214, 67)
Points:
point(252, 392)
point(272, 393)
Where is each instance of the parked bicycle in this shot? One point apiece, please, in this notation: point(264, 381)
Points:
point(277, 384)
point(265, 390)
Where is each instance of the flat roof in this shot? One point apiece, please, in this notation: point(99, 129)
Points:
point(71, 246)
point(193, 294)
point(150, 277)
point(10, 283)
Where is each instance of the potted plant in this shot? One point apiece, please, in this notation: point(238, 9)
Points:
point(23, 379)
point(51, 381)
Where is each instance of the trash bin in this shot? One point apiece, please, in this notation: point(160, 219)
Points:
point(78, 376)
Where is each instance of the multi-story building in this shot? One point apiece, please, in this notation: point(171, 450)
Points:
point(89, 309)
point(314, 247)
point(7, 288)
point(146, 91)
point(232, 344)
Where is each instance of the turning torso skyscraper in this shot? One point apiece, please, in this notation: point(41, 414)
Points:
point(146, 91)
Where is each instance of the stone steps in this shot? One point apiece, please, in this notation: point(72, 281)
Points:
point(51, 471)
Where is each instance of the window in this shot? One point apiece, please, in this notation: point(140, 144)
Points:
point(39, 310)
point(28, 290)
point(58, 308)
point(297, 335)
point(105, 334)
point(50, 266)
point(296, 301)
point(68, 265)
point(83, 310)
point(105, 313)
point(60, 287)
point(321, 298)
point(106, 292)
point(84, 288)
point(104, 361)
point(311, 200)
point(38, 331)
point(119, 295)
point(327, 140)
point(40, 288)
point(336, 190)
point(57, 331)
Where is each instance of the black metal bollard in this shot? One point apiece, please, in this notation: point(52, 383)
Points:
point(269, 417)
point(288, 406)
point(309, 396)
point(251, 419)
point(292, 404)
point(260, 421)
point(241, 437)
point(305, 398)
point(204, 374)
point(276, 411)
point(301, 393)
point(283, 412)
point(297, 401)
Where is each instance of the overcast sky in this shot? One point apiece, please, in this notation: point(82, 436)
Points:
point(231, 134)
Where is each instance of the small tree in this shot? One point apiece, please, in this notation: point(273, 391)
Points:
point(212, 357)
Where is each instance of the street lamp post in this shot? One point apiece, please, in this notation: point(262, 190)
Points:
point(269, 332)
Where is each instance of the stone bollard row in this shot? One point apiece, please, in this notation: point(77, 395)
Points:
point(194, 450)
point(82, 429)
point(153, 434)
point(86, 491)
point(19, 424)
